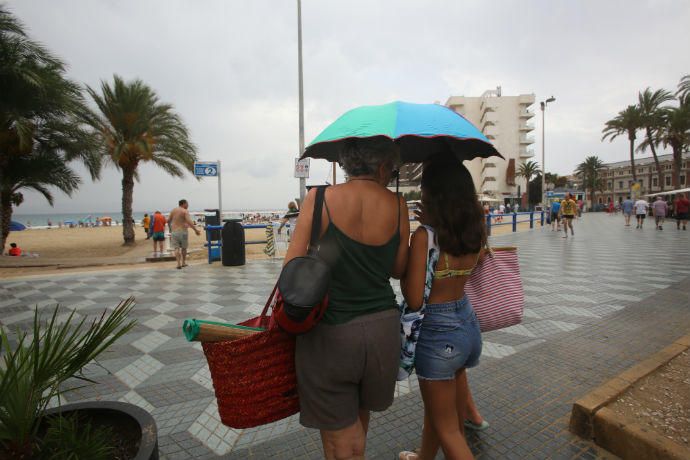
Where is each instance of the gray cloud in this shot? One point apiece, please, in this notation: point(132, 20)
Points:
point(230, 70)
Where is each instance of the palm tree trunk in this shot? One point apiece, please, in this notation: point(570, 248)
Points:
point(127, 198)
point(677, 160)
point(632, 159)
point(659, 172)
point(5, 218)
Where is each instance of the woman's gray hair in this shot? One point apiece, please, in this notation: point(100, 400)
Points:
point(363, 157)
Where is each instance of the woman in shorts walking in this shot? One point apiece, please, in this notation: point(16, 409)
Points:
point(450, 340)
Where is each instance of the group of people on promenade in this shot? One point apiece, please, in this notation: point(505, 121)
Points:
point(178, 221)
point(564, 212)
point(660, 210)
point(348, 363)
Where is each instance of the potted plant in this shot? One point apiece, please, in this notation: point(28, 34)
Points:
point(33, 369)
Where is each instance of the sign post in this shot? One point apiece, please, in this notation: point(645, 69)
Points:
point(302, 168)
point(211, 169)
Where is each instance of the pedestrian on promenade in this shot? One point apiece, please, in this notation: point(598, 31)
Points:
point(290, 217)
point(157, 233)
point(179, 221)
point(146, 223)
point(568, 211)
point(659, 209)
point(627, 207)
point(554, 216)
point(641, 209)
point(681, 207)
point(449, 340)
point(611, 209)
point(348, 363)
point(580, 205)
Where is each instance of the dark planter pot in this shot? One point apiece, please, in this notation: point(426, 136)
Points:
point(128, 417)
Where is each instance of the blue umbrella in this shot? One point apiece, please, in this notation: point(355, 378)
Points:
point(16, 226)
point(420, 130)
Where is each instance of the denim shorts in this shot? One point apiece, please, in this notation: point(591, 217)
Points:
point(449, 340)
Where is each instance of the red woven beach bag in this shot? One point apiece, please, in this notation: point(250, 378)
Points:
point(495, 290)
point(254, 377)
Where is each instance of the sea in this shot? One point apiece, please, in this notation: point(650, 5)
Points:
point(74, 218)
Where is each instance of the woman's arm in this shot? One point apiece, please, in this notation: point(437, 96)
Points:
point(400, 263)
point(299, 242)
point(412, 284)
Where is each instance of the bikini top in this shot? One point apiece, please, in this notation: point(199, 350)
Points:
point(450, 273)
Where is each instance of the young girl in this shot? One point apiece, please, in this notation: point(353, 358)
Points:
point(453, 237)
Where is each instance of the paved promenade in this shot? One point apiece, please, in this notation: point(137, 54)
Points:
point(596, 303)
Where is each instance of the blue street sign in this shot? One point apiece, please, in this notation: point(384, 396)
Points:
point(206, 169)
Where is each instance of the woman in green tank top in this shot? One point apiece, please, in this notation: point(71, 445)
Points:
point(347, 364)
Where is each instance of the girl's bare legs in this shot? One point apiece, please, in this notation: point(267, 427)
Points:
point(348, 443)
point(473, 414)
point(445, 406)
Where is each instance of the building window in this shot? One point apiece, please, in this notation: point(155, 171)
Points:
point(609, 185)
point(682, 179)
point(629, 183)
point(620, 184)
point(655, 181)
point(641, 170)
point(668, 180)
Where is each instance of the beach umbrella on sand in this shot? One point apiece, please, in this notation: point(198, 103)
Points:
point(420, 130)
point(16, 226)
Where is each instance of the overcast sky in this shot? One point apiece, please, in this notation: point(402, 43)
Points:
point(230, 70)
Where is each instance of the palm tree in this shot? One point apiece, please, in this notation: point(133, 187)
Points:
point(529, 170)
point(683, 87)
point(590, 173)
point(40, 129)
point(628, 121)
point(649, 103)
point(135, 127)
point(675, 133)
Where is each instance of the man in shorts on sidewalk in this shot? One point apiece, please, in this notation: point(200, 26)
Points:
point(641, 208)
point(627, 207)
point(681, 207)
point(157, 232)
point(659, 209)
point(179, 221)
point(555, 219)
point(568, 211)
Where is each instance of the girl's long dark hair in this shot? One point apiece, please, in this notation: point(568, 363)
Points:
point(451, 206)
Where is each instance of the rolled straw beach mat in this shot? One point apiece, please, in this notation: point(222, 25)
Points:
point(270, 249)
point(197, 330)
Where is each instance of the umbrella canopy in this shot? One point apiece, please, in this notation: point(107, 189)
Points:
point(420, 130)
point(16, 226)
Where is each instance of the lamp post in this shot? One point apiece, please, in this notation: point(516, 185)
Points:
point(302, 180)
point(543, 105)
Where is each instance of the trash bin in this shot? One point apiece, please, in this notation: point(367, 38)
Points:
point(212, 217)
point(233, 243)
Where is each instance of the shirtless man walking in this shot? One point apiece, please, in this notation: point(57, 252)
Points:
point(179, 221)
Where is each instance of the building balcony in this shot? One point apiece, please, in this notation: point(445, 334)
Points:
point(490, 129)
point(524, 139)
point(526, 99)
point(489, 115)
point(524, 113)
point(524, 126)
point(526, 153)
point(489, 168)
point(489, 104)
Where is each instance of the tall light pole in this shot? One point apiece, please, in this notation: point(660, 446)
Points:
point(302, 180)
point(543, 105)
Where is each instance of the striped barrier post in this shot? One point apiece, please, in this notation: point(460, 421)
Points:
point(270, 249)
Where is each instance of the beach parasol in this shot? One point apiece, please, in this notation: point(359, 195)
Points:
point(16, 226)
point(420, 130)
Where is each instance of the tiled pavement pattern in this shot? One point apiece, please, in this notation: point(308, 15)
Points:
point(595, 304)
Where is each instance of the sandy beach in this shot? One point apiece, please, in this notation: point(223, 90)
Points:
point(72, 248)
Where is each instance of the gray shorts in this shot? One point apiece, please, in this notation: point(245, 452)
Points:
point(347, 367)
point(179, 240)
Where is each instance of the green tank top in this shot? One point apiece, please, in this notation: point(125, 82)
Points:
point(360, 274)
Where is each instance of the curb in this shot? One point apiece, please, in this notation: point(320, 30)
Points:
point(590, 419)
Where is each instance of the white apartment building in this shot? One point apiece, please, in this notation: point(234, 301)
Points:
point(505, 121)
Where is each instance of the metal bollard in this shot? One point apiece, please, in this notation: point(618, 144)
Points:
point(542, 218)
point(514, 222)
point(531, 219)
point(488, 224)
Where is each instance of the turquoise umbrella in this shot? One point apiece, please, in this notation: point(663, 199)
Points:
point(420, 130)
